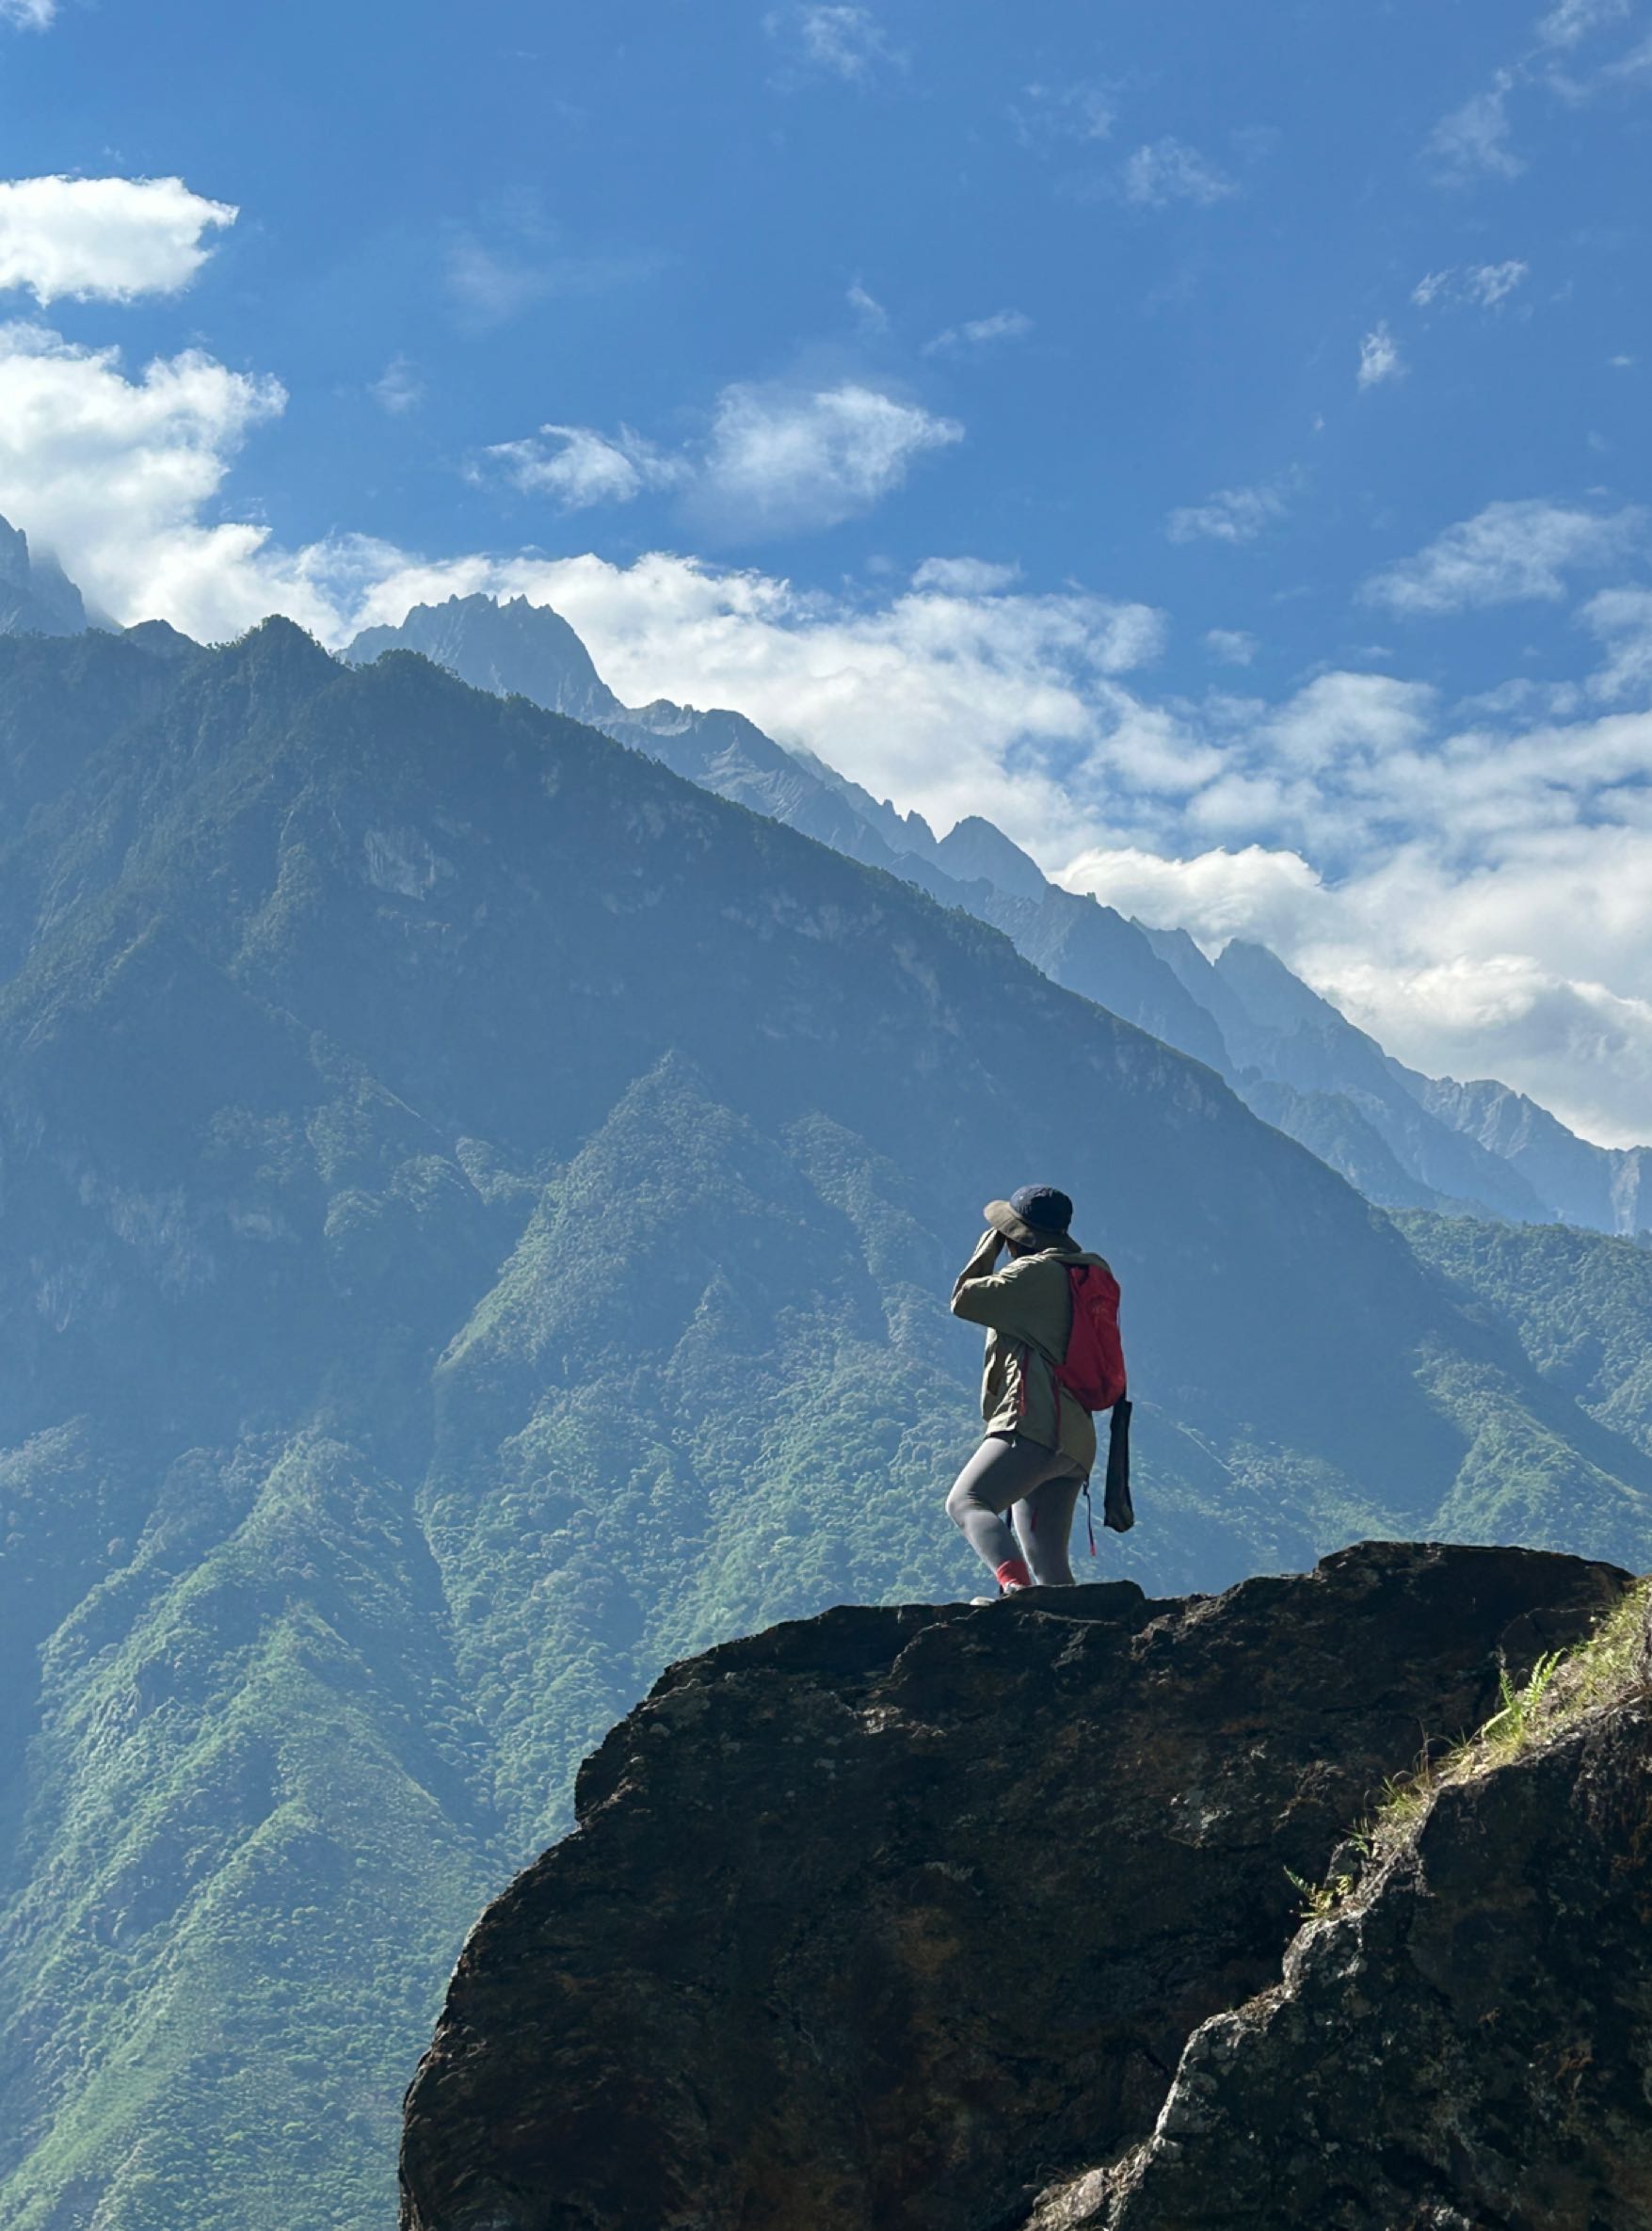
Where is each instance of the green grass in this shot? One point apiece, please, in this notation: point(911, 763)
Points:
point(1562, 1687)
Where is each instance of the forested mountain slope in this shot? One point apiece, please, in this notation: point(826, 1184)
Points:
point(476, 1218)
point(1578, 1302)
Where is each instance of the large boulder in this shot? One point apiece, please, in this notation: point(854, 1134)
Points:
point(889, 1918)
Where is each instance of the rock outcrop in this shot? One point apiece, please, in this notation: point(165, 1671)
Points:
point(1465, 2045)
point(888, 1921)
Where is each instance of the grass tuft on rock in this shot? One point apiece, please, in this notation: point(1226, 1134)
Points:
point(1562, 1687)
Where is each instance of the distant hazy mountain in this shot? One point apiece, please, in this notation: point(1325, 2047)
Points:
point(36, 596)
point(1408, 1141)
point(1303, 1054)
point(477, 1219)
point(1609, 1188)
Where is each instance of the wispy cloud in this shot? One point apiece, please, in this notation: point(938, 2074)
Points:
point(1233, 646)
point(868, 309)
point(109, 239)
point(579, 467)
point(966, 576)
point(1379, 357)
point(1630, 69)
point(1232, 514)
point(489, 285)
point(1168, 171)
point(780, 459)
point(980, 333)
point(398, 388)
point(1472, 142)
point(492, 276)
point(1572, 21)
point(775, 458)
point(1082, 109)
point(28, 15)
point(1510, 553)
point(845, 42)
point(1621, 619)
point(1485, 286)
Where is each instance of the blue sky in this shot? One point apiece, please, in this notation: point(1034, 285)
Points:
point(1208, 440)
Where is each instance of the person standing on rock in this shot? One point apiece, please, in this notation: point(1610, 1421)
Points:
point(1053, 1358)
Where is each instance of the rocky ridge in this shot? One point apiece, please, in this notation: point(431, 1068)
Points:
point(894, 1919)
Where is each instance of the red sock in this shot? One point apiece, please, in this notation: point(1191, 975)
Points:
point(1013, 1573)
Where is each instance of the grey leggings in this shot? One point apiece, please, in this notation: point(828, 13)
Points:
point(1039, 1485)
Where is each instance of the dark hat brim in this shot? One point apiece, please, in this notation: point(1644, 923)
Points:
point(1004, 1219)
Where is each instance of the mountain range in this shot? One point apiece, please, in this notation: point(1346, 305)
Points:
point(1407, 1141)
point(477, 1214)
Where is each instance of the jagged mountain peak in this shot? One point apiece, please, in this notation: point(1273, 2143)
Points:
point(975, 848)
point(513, 649)
point(36, 597)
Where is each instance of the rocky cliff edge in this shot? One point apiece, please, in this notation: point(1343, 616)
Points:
point(969, 1919)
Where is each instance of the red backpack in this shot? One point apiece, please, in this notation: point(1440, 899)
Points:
point(1091, 1371)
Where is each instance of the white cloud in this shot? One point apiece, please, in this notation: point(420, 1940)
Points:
point(844, 42)
point(1572, 20)
point(580, 467)
point(780, 459)
point(1511, 553)
point(980, 333)
point(107, 238)
point(1485, 286)
point(1231, 515)
point(1167, 170)
point(1379, 357)
point(1473, 141)
point(114, 473)
point(868, 309)
point(1233, 646)
point(1270, 896)
point(398, 388)
point(29, 15)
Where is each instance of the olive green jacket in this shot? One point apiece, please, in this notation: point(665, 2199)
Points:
point(1027, 1309)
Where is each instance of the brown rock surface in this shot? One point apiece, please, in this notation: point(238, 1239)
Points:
point(885, 1919)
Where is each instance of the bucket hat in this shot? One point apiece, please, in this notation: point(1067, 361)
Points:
point(1033, 1216)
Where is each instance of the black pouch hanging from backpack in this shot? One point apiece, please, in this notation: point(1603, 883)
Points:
point(1117, 1511)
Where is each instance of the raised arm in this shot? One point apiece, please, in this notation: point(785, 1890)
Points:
point(984, 1295)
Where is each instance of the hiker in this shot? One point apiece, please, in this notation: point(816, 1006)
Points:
point(1053, 1358)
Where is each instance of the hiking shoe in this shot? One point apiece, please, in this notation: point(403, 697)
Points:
point(1008, 1588)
